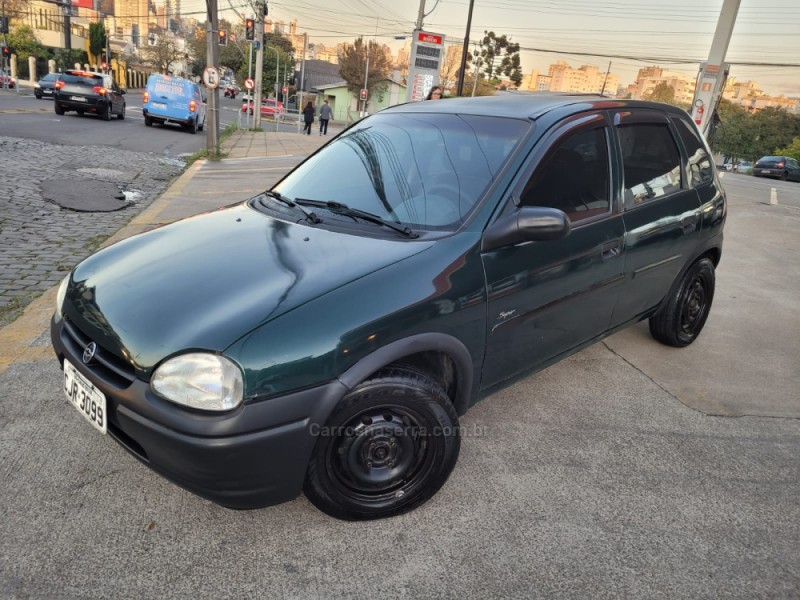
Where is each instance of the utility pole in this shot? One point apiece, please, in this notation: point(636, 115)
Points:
point(608, 71)
point(260, 12)
point(421, 14)
point(67, 8)
point(460, 87)
point(302, 78)
point(212, 58)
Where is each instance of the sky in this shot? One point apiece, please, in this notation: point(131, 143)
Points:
point(675, 35)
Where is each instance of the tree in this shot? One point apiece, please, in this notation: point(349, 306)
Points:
point(163, 53)
point(97, 39)
point(499, 56)
point(792, 149)
point(451, 63)
point(663, 92)
point(749, 136)
point(24, 43)
point(352, 67)
point(231, 56)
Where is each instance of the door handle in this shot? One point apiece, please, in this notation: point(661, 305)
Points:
point(689, 223)
point(610, 249)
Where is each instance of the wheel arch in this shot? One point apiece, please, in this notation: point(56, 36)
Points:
point(439, 355)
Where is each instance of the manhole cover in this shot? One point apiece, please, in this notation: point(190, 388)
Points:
point(84, 196)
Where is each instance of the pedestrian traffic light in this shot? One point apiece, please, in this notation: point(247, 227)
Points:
point(249, 29)
point(223, 37)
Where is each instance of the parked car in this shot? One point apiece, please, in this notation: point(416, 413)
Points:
point(7, 81)
point(327, 334)
point(743, 167)
point(89, 92)
point(169, 99)
point(778, 167)
point(269, 107)
point(45, 86)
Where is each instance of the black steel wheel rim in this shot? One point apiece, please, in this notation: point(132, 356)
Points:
point(693, 307)
point(381, 453)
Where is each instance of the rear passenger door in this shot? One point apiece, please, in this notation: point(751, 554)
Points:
point(661, 209)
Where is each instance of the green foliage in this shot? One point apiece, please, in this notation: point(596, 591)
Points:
point(353, 66)
point(663, 92)
point(97, 39)
point(792, 149)
point(24, 43)
point(66, 59)
point(499, 56)
point(750, 136)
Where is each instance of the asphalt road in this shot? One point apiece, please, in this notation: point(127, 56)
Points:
point(608, 475)
point(24, 116)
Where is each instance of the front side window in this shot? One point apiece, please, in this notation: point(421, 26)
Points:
point(573, 177)
point(427, 171)
point(700, 169)
point(651, 162)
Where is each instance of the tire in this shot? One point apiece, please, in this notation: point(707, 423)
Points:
point(202, 125)
point(784, 176)
point(80, 113)
point(59, 110)
point(121, 115)
point(681, 319)
point(387, 448)
point(193, 126)
point(148, 122)
point(38, 96)
point(106, 115)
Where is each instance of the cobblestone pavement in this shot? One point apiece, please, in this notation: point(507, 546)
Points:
point(40, 241)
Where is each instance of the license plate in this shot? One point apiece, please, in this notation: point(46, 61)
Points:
point(89, 401)
point(159, 105)
point(47, 91)
point(78, 98)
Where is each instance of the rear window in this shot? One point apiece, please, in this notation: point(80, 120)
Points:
point(771, 159)
point(84, 78)
point(171, 87)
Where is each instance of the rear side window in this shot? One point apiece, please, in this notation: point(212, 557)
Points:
point(651, 162)
point(699, 167)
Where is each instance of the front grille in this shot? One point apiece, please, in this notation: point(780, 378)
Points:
point(107, 365)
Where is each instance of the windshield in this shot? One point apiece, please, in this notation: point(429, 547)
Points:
point(424, 170)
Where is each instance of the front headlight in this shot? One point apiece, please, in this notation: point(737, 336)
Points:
point(62, 292)
point(200, 380)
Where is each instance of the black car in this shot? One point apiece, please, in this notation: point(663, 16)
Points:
point(327, 334)
point(778, 167)
point(46, 85)
point(89, 92)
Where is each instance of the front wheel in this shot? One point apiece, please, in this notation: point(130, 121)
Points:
point(59, 110)
point(681, 319)
point(388, 447)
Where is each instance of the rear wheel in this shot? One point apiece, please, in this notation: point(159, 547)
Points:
point(387, 448)
point(59, 110)
point(682, 318)
point(193, 126)
point(106, 114)
point(148, 121)
point(202, 124)
point(80, 112)
point(121, 115)
point(784, 176)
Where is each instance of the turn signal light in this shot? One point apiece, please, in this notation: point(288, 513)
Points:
point(146, 97)
point(192, 106)
point(59, 85)
point(99, 89)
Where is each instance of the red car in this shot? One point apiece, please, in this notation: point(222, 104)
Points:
point(269, 108)
point(7, 81)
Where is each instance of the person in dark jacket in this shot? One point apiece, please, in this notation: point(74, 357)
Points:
point(308, 117)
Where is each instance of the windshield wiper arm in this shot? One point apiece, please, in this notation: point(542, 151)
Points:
point(343, 209)
point(310, 215)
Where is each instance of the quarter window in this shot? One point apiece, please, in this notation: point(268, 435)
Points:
point(651, 162)
point(700, 169)
point(573, 177)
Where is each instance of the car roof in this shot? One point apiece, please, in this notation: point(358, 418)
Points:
point(526, 105)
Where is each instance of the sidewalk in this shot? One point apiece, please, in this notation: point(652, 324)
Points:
point(254, 162)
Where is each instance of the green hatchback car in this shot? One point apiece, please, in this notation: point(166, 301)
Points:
point(325, 336)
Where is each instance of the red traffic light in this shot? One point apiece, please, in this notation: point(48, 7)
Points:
point(363, 93)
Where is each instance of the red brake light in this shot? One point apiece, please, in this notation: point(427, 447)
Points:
point(146, 97)
point(192, 106)
point(99, 89)
point(59, 85)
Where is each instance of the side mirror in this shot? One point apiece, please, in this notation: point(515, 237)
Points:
point(123, 92)
point(528, 224)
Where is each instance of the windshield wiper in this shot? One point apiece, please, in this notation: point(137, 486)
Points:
point(343, 209)
point(311, 216)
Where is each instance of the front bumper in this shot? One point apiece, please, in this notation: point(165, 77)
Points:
point(252, 457)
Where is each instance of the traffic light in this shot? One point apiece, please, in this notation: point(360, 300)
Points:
point(223, 37)
point(7, 51)
point(249, 29)
point(363, 93)
point(3, 24)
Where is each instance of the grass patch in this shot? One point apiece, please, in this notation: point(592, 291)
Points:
point(14, 309)
point(93, 243)
point(205, 154)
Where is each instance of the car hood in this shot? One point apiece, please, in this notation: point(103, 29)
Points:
point(204, 282)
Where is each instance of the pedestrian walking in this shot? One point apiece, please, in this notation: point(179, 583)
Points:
point(308, 117)
point(435, 93)
point(325, 114)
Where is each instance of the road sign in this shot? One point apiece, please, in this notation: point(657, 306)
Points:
point(211, 78)
point(249, 83)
